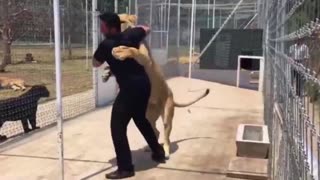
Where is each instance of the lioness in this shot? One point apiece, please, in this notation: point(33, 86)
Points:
point(13, 83)
point(161, 100)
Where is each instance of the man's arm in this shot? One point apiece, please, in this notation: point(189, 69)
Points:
point(96, 63)
point(101, 54)
point(137, 34)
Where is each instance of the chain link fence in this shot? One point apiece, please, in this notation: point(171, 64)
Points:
point(170, 21)
point(27, 54)
point(292, 34)
point(291, 85)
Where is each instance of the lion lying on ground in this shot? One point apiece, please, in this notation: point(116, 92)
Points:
point(161, 102)
point(12, 83)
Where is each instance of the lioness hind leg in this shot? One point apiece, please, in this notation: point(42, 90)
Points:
point(167, 117)
point(152, 115)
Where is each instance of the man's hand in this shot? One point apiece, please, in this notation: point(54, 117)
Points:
point(96, 63)
point(106, 74)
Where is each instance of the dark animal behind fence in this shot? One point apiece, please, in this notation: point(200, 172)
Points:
point(22, 108)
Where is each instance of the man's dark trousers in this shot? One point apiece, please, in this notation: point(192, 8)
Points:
point(131, 102)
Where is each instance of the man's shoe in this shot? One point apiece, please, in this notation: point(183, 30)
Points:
point(120, 174)
point(35, 128)
point(159, 156)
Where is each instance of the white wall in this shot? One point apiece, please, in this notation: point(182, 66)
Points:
point(106, 91)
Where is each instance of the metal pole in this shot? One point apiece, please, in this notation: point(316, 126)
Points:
point(116, 6)
point(87, 37)
point(95, 44)
point(56, 12)
point(261, 74)
point(150, 23)
point(234, 20)
point(189, 21)
point(161, 24)
point(220, 18)
point(136, 7)
point(208, 19)
point(129, 4)
point(194, 27)
point(245, 27)
point(50, 17)
point(164, 19)
point(168, 28)
point(63, 33)
point(191, 36)
point(178, 29)
point(238, 71)
point(214, 14)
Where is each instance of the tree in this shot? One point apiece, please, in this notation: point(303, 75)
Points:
point(13, 25)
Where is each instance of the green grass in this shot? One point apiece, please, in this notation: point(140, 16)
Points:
point(75, 76)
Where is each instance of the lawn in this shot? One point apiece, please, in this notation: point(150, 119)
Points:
point(75, 76)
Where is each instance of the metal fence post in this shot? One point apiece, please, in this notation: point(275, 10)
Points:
point(58, 71)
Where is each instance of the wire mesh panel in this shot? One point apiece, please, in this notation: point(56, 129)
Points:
point(27, 60)
point(292, 86)
point(171, 20)
point(155, 13)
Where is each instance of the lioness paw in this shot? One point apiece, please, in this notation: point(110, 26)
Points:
point(116, 52)
point(121, 52)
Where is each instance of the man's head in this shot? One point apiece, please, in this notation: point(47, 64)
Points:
point(110, 24)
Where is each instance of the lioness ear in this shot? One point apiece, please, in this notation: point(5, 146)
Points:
point(133, 19)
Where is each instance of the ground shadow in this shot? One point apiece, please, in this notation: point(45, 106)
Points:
point(52, 158)
point(142, 159)
point(96, 173)
point(229, 109)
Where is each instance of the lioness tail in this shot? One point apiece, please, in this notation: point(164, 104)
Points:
point(180, 105)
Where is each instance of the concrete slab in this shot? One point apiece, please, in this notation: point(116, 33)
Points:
point(203, 140)
point(248, 168)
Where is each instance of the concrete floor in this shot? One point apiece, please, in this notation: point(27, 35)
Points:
point(203, 140)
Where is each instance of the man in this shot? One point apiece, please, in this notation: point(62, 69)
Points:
point(133, 96)
point(299, 52)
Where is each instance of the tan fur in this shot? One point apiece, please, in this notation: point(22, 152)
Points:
point(12, 83)
point(161, 102)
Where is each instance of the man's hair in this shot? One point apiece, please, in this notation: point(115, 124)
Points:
point(112, 20)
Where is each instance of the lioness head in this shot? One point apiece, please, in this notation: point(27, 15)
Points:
point(127, 20)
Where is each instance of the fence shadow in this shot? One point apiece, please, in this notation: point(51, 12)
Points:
point(141, 158)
